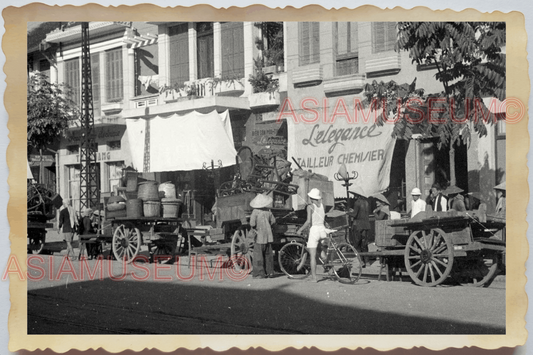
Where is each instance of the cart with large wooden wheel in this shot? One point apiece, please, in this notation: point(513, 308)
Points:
point(159, 234)
point(437, 246)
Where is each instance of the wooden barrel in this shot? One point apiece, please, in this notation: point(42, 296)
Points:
point(152, 208)
point(147, 191)
point(134, 208)
point(168, 189)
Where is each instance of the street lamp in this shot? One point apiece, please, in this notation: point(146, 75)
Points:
point(343, 175)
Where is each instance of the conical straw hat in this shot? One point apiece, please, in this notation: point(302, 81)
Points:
point(382, 198)
point(261, 201)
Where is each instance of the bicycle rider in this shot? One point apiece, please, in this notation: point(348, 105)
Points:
point(315, 218)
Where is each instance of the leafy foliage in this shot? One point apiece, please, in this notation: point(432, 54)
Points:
point(262, 82)
point(273, 52)
point(470, 65)
point(49, 111)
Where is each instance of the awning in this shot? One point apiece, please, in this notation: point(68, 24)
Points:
point(181, 143)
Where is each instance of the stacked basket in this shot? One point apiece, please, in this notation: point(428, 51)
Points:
point(148, 193)
point(116, 207)
point(171, 205)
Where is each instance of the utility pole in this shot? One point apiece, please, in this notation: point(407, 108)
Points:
point(89, 172)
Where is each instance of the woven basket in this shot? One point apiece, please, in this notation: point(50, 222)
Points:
point(152, 208)
point(116, 206)
point(147, 191)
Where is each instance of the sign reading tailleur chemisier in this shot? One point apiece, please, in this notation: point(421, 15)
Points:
point(364, 147)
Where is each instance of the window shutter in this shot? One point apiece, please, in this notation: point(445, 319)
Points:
point(179, 54)
point(379, 37)
point(316, 42)
point(95, 78)
point(232, 49)
point(72, 79)
point(304, 40)
point(390, 36)
point(114, 82)
point(354, 39)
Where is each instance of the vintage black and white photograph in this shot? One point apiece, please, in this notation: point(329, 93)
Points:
point(295, 178)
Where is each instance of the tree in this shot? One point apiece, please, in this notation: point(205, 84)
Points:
point(470, 65)
point(49, 110)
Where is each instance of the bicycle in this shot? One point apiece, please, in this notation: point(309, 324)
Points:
point(342, 261)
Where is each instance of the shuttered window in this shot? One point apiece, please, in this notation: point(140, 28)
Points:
point(72, 79)
point(179, 54)
point(347, 48)
point(205, 44)
point(95, 79)
point(114, 79)
point(232, 49)
point(309, 38)
point(383, 36)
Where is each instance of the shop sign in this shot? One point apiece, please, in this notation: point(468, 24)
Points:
point(101, 133)
point(45, 158)
point(101, 156)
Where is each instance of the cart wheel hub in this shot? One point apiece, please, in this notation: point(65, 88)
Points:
point(425, 256)
point(124, 243)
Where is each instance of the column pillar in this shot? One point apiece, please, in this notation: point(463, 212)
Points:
point(217, 48)
point(193, 54)
point(249, 51)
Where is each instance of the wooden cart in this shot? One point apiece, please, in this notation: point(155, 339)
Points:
point(159, 234)
point(432, 246)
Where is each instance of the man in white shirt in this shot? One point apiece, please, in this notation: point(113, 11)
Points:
point(440, 203)
point(417, 204)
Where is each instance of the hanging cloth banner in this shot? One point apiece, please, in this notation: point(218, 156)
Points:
point(365, 148)
point(182, 142)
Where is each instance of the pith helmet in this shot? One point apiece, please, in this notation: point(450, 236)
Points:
point(315, 194)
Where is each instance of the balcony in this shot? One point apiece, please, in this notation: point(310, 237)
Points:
point(344, 85)
point(382, 66)
point(264, 101)
point(307, 76)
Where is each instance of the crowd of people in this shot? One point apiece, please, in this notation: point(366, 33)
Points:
point(262, 220)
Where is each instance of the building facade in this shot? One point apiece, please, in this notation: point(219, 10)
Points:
point(148, 69)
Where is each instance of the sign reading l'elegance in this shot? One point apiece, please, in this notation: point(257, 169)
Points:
point(335, 138)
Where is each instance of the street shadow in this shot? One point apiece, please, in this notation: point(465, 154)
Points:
point(224, 307)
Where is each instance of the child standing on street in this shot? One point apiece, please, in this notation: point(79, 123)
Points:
point(315, 218)
point(261, 221)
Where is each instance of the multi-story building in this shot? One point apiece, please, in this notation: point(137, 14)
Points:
point(171, 69)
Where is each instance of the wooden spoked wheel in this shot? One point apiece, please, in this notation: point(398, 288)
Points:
point(163, 253)
point(126, 243)
point(242, 249)
point(346, 264)
point(36, 241)
point(428, 257)
point(290, 256)
point(476, 271)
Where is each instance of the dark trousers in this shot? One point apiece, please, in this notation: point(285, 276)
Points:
point(263, 260)
point(359, 240)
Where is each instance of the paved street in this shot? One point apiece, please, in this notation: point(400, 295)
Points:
point(214, 303)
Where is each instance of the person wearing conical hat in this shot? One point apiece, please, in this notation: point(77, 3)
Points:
point(359, 212)
point(500, 193)
point(456, 201)
point(261, 221)
point(316, 215)
point(382, 211)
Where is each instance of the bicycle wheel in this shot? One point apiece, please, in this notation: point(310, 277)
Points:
point(347, 264)
point(290, 256)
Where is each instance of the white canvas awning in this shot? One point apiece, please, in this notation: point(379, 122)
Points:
point(182, 142)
